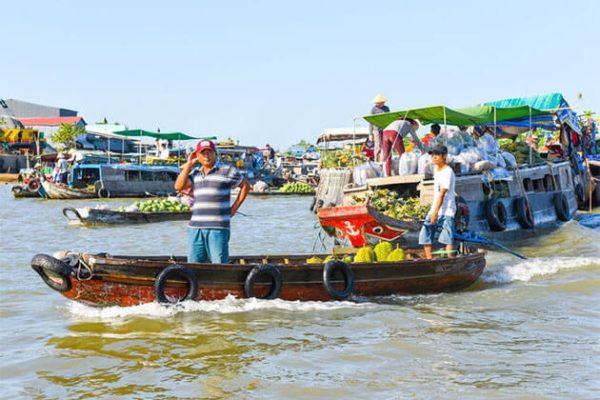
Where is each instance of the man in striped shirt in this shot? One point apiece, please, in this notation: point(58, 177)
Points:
point(208, 230)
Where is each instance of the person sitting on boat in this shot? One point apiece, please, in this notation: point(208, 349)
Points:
point(164, 152)
point(368, 150)
point(443, 207)
point(393, 139)
point(208, 230)
point(433, 134)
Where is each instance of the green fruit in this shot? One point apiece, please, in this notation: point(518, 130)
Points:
point(396, 255)
point(382, 251)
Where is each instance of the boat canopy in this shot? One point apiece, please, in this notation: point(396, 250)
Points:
point(130, 167)
point(160, 135)
point(342, 134)
point(477, 115)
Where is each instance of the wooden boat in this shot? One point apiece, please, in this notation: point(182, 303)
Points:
point(88, 215)
point(105, 280)
point(59, 191)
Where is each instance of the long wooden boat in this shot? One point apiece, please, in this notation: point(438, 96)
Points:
point(106, 280)
point(59, 191)
point(89, 215)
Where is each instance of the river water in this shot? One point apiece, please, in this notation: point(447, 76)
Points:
point(526, 329)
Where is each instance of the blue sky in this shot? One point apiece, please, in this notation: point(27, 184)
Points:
point(277, 72)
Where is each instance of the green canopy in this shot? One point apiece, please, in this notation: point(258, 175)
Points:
point(427, 115)
point(486, 113)
point(477, 115)
point(158, 135)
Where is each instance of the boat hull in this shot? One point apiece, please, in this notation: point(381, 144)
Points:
point(88, 215)
point(128, 281)
point(61, 192)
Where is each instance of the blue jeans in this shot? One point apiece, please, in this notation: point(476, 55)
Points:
point(428, 231)
point(208, 244)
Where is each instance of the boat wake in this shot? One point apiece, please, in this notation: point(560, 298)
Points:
point(228, 305)
point(526, 270)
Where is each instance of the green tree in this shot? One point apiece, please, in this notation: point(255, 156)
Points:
point(67, 134)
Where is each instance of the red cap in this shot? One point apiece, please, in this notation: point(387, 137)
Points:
point(206, 144)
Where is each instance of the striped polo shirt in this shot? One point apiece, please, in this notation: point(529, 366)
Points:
point(212, 193)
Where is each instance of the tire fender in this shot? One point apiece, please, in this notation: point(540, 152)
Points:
point(33, 185)
point(496, 216)
point(561, 205)
point(170, 272)
point(44, 264)
point(328, 269)
point(524, 213)
point(264, 270)
point(103, 193)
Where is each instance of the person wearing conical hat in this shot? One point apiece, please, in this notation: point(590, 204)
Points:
point(379, 107)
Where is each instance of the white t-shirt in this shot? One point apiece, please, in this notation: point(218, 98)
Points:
point(444, 179)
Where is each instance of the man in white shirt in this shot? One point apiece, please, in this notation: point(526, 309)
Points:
point(443, 207)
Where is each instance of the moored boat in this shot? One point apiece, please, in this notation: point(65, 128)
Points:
point(105, 280)
point(57, 191)
point(89, 215)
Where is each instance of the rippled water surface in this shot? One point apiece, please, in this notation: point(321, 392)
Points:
point(527, 329)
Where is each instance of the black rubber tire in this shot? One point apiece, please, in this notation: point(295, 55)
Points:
point(172, 271)
point(33, 185)
point(261, 270)
point(103, 193)
point(43, 263)
point(17, 189)
point(561, 205)
point(328, 269)
point(524, 213)
point(496, 216)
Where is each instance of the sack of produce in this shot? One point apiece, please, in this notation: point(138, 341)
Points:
point(424, 165)
point(481, 166)
point(500, 173)
point(364, 172)
point(464, 164)
point(260, 186)
point(409, 163)
point(511, 161)
point(131, 208)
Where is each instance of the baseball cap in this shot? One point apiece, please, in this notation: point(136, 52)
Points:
point(206, 144)
point(439, 150)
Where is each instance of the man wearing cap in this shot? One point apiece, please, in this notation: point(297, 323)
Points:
point(377, 133)
point(443, 207)
point(208, 230)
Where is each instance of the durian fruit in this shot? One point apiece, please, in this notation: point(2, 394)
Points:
point(396, 255)
point(314, 260)
point(382, 251)
point(365, 255)
point(348, 260)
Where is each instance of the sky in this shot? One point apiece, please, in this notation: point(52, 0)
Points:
point(277, 72)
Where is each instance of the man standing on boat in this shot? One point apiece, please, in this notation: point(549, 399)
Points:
point(443, 207)
point(377, 133)
point(208, 230)
point(393, 139)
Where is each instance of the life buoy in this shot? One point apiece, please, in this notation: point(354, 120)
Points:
point(33, 185)
point(170, 272)
point(103, 193)
point(524, 213)
point(44, 264)
point(561, 205)
point(264, 270)
point(495, 213)
point(328, 270)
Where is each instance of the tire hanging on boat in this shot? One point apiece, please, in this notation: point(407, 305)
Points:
point(33, 185)
point(328, 270)
point(496, 216)
point(169, 272)
point(561, 205)
point(17, 190)
point(103, 193)
point(259, 271)
point(44, 264)
point(524, 213)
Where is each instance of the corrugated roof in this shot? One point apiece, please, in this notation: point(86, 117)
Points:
point(50, 121)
